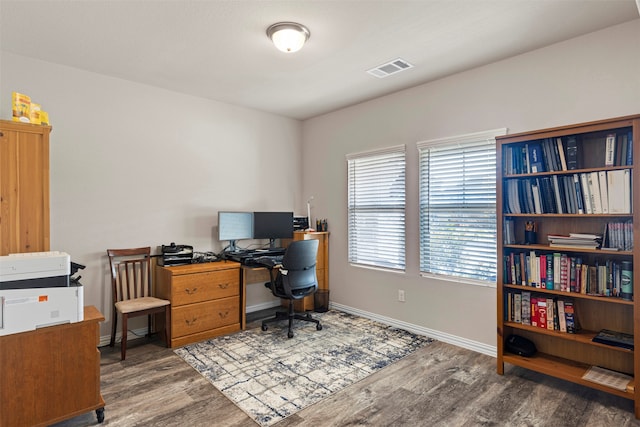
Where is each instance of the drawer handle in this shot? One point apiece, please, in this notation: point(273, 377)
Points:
point(191, 322)
point(223, 315)
point(191, 291)
point(223, 285)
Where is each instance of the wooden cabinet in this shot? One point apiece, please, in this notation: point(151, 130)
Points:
point(322, 265)
point(206, 300)
point(24, 187)
point(552, 200)
point(51, 374)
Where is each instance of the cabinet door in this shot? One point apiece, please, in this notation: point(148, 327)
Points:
point(24, 188)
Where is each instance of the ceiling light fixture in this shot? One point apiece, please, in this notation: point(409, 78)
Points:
point(288, 36)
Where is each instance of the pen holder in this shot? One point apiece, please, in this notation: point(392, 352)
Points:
point(530, 237)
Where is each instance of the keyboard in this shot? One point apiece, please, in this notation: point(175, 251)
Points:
point(265, 260)
point(268, 252)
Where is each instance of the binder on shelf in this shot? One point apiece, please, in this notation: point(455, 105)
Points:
point(604, 193)
point(588, 201)
point(594, 192)
point(610, 150)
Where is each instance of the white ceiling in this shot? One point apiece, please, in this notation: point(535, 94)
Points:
point(218, 49)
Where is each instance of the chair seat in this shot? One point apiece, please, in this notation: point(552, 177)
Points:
point(139, 304)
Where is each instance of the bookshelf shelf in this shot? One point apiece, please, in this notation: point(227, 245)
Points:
point(565, 369)
point(584, 336)
point(565, 181)
point(570, 295)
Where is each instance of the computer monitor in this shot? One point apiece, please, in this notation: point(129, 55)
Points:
point(234, 226)
point(272, 226)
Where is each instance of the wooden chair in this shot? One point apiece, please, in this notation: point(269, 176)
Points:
point(131, 283)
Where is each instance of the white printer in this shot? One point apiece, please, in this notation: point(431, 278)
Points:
point(35, 292)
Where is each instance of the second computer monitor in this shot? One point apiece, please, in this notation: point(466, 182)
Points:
point(272, 226)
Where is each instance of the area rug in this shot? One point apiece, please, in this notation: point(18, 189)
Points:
point(271, 377)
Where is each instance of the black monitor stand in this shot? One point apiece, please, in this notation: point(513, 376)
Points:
point(272, 244)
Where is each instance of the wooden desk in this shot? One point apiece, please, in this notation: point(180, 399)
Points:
point(51, 374)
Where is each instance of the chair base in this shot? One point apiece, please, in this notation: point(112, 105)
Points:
point(290, 316)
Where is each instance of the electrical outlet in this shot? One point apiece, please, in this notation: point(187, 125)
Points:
point(401, 295)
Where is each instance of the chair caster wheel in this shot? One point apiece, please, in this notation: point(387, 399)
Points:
point(318, 327)
point(264, 327)
point(290, 334)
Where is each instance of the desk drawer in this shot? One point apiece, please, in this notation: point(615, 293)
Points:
point(198, 287)
point(204, 316)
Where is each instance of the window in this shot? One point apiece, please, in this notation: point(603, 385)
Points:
point(376, 208)
point(458, 207)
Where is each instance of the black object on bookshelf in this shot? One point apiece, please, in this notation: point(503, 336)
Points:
point(617, 339)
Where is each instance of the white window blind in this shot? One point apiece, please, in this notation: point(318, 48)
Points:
point(376, 209)
point(458, 207)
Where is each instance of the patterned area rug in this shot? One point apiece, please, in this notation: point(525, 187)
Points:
point(271, 377)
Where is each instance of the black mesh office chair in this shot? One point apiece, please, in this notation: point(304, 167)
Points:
point(294, 279)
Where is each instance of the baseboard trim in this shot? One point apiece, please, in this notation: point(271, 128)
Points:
point(131, 335)
point(263, 306)
point(438, 335)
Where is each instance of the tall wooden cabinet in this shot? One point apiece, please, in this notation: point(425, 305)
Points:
point(548, 182)
point(24, 187)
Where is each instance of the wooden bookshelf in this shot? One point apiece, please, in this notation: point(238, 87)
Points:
point(595, 288)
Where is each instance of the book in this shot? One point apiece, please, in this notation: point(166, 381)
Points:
point(517, 308)
point(610, 150)
point(542, 312)
point(526, 308)
point(562, 321)
point(629, 149)
point(588, 202)
point(616, 339)
point(570, 317)
point(572, 153)
point(549, 271)
point(616, 190)
point(563, 162)
point(604, 193)
point(556, 270)
point(594, 192)
point(550, 314)
point(556, 191)
point(536, 160)
point(578, 190)
point(535, 313)
point(608, 378)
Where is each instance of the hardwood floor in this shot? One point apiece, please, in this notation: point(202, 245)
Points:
point(439, 385)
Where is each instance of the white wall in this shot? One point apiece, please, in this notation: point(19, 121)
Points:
point(588, 78)
point(182, 152)
point(133, 165)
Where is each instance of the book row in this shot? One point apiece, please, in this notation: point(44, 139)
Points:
point(561, 154)
point(617, 235)
point(554, 314)
point(562, 272)
point(601, 192)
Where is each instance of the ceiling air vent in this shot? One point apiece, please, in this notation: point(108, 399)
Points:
point(389, 68)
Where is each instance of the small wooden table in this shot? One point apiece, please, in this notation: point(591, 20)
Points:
point(51, 374)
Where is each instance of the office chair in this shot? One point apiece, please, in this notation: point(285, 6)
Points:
point(131, 283)
point(294, 279)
